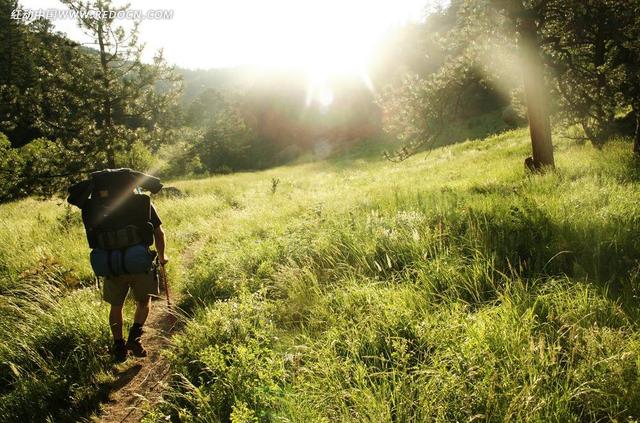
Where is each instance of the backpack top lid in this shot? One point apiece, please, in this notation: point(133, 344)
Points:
point(110, 184)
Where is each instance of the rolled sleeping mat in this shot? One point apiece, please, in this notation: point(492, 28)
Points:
point(79, 193)
point(147, 182)
point(127, 179)
point(131, 260)
point(123, 179)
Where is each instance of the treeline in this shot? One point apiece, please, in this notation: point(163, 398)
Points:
point(67, 109)
point(265, 119)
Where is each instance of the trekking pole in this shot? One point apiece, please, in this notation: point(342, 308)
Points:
point(171, 318)
point(163, 275)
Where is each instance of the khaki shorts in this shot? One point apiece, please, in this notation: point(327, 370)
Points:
point(142, 285)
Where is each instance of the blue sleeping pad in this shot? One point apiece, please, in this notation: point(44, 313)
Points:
point(131, 260)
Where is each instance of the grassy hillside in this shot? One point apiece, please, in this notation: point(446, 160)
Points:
point(449, 287)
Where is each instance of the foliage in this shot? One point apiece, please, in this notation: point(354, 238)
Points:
point(137, 157)
point(179, 157)
point(226, 139)
point(39, 96)
point(590, 48)
point(125, 89)
point(55, 355)
point(32, 169)
point(54, 358)
point(348, 289)
point(92, 107)
point(421, 111)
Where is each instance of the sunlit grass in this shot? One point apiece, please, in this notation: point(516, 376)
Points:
point(450, 287)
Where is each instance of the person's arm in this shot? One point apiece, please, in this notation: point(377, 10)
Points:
point(160, 244)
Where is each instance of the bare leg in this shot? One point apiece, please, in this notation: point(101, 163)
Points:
point(135, 333)
point(142, 311)
point(115, 322)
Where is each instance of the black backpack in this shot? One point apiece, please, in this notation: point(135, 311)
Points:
point(114, 216)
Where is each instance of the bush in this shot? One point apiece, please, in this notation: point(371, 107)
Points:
point(37, 168)
point(179, 158)
point(226, 143)
point(138, 157)
point(243, 376)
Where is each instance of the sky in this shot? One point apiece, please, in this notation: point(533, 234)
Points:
point(321, 36)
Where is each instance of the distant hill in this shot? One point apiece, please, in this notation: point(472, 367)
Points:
point(196, 81)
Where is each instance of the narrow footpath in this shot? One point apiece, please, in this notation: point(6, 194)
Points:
point(141, 381)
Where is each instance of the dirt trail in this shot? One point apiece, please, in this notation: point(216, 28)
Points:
point(141, 381)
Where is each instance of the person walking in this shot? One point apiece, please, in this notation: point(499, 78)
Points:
point(121, 224)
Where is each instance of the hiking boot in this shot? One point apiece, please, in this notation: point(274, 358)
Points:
point(133, 343)
point(119, 350)
point(136, 348)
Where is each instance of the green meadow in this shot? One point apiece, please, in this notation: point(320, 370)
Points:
point(450, 287)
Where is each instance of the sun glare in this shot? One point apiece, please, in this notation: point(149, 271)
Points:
point(324, 38)
point(333, 38)
point(319, 89)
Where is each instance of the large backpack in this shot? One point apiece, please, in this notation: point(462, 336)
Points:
point(117, 220)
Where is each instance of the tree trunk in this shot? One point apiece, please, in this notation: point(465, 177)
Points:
point(535, 93)
point(636, 142)
point(106, 103)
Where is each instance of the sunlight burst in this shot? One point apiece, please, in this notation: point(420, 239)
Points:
point(323, 38)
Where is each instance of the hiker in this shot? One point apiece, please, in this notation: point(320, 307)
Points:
point(121, 224)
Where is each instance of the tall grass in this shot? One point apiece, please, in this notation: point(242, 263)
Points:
point(449, 288)
point(54, 355)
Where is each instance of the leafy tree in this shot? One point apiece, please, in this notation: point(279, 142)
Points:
point(8, 179)
point(226, 143)
point(484, 28)
point(39, 91)
point(589, 44)
point(591, 49)
point(203, 110)
point(32, 169)
point(419, 111)
point(180, 158)
point(220, 138)
point(518, 25)
point(42, 96)
point(96, 107)
point(584, 54)
point(125, 92)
